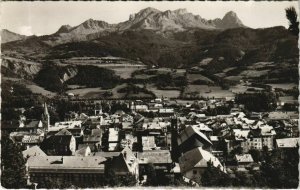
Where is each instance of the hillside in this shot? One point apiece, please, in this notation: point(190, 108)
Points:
point(8, 36)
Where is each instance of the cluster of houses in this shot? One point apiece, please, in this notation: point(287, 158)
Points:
point(174, 142)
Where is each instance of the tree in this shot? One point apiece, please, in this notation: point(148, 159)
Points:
point(151, 176)
point(213, 176)
point(292, 16)
point(255, 155)
point(12, 165)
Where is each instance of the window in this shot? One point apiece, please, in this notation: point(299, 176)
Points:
point(194, 171)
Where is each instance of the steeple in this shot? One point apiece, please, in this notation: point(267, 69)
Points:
point(46, 109)
point(46, 117)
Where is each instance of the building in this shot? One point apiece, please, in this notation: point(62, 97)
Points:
point(125, 163)
point(287, 143)
point(61, 144)
point(194, 162)
point(33, 151)
point(160, 159)
point(75, 169)
point(244, 160)
point(46, 117)
point(191, 138)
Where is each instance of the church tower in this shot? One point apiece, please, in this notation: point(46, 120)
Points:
point(98, 109)
point(46, 117)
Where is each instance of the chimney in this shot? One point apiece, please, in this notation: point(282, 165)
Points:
point(62, 159)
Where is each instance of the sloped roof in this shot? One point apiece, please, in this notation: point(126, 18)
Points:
point(148, 142)
point(63, 132)
point(155, 157)
point(267, 130)
point(241, 134)
point(287, 142)
point(91, 138)
point(188, 132)
point(33, 151)
point(244, 158)
point(62, 164)
point(198, 157)
point(83, 151)
point(106, 154)
point(32, 124)
point(61, 139)
point(31, 139)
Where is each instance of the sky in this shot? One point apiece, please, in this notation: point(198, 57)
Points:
point(41, 18)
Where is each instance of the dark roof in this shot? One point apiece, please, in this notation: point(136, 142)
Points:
point(107, 154)
point(155, 157)
point(91, 138)
point(73, 130)
point(63, 132)
point(32, 124)
point(61, 140)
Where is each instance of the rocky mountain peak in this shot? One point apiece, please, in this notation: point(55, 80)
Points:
point(231, 20)
point(64, 29)
point(180, 11)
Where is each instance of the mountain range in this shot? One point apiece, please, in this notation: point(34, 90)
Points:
point(147, 19)
point(224, 50)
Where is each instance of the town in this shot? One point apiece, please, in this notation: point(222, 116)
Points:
point(155, 142)
point(149, 95)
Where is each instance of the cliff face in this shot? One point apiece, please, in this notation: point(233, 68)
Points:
point(21, 68)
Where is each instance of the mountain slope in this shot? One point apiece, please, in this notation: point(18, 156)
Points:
point(8, 36)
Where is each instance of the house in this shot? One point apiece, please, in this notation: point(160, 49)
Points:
point(32, 140)
point(204, 129)
point(139, 107)
point(65, 125)
point(76, 169)
point(160, 159)
point(255, 115)
point(287, 143)
point(240, 140)
point(125, 163)
point(191, 138)
point(59, 144)
point(83, 151)
point(244, 160)
point(148, 143)
point(93, 140)
point(77, 132)
point(113, 138)
point(156, 126)
point(267, 134)
point(32, 126)
point(194, 162)
point(33, 151)
point(165, 112)
point(26, 139)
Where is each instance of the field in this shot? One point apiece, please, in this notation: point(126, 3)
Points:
point(194, 77)
point(84, 91)
point(39, 90)
point(206, 91)
point(163, 93)
point(284, 86)
point(125, 72)
point(254, 73)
